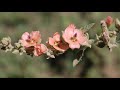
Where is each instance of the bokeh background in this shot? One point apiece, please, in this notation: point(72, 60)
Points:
point(97, 63)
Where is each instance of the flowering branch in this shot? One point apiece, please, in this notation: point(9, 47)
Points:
point(71, 38)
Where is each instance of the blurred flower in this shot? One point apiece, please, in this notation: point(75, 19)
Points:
point(30, 39)
point(57, 43)
point(74, 37)
point(39, 49)
point(109, 20)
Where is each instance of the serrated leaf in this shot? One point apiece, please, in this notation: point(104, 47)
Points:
point(75, 62)
point(88, 27)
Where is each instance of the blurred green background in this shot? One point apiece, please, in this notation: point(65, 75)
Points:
point(97, 63)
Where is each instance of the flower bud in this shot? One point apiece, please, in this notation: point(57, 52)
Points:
point(109, 20)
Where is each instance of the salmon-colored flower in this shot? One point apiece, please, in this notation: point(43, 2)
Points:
point(57, 43)
point(74, 37)
point(39, 49)
point(109, 20)
point(30, 39)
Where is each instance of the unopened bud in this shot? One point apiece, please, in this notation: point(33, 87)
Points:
point(109, 20)
point(103, 25)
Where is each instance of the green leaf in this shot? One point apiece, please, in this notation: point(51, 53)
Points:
point(88, 27)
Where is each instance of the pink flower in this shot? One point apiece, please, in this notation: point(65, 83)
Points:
point(39, 49)
point(74, 37)
point(30, 39)
point(109, 20)
point(56, 42)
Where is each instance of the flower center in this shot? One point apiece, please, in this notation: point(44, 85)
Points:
point(31, 41)
point(56, 43)
point(74, 39)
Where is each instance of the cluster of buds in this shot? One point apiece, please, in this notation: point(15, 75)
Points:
point(6, 44)
point(108, 37)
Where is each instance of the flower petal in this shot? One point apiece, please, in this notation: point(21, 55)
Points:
point(35, 35)
point(81, 36)
point(25, 36)
point(69, 30)
point(43, 48)
point(51, 41)
point(56, 36)
point(39, 49)
point(66, 38)
point(74, 45)
point(58, 48)
point(24, 43)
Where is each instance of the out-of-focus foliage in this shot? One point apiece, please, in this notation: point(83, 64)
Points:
point(96, 62)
